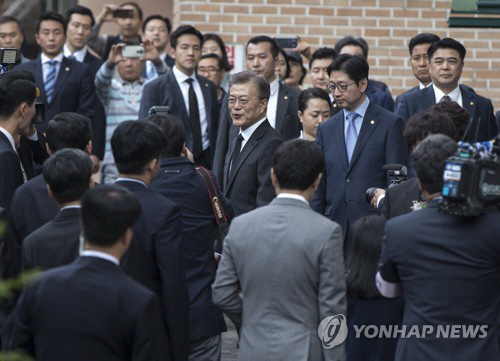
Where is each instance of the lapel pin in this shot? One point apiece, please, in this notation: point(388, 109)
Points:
point(334, 105)
point(471, 103)
point(67, 68)
point(206, 85)
point(286, 97)
point(372, 122)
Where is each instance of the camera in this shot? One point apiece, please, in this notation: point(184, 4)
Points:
point(8, 58)
point(399, 173)
point(471, 180)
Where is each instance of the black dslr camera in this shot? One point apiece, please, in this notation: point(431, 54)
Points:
point(399, 173)
point(471, 180)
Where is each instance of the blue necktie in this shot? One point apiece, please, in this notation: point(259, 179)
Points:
point(50, 80)
point(72, 57)
point(351, 134)
point(152, 71)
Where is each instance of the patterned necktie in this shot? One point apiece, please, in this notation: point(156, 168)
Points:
point(50, 80)
point(236, 151)
point(151, 71)
point(194, 118)
point(351, 134)
point(445, 98)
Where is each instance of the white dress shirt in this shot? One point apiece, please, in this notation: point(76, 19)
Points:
point(181, 80)
point(422, 86)
point(101, 255)
point(455, 95)
point(131, 180)
point(247, 133)
point(79, 54)
point(45, 64)
point(272, 105)
point(293, 196)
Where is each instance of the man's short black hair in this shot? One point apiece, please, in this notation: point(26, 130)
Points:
point(297, 163)
point(429, 158)
point(447, 43)
point(356, 67)
point(265, 39)
point(220, 61)
point(458, 115)
point(135, 144)
point(421, 125)
point(173, 129)
point(107, 212)
point(423, 38)
point(4, 19)
point(166, 20)
point(68, 172)
point(184, 30)
point(81, 10)
point(323, 53)
point(135, 5)
point(50, 15)
point(312, 93)
point(16, 88)
point(351, 40)
point(68, 130)
point(222, 46)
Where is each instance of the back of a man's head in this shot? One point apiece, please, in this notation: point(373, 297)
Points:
point(135, 144)
point(429, 158)
point(69, 130)
point(16, 87)
point(107, 213)
point(67, 173)
point(297, 164)
point(173, 129)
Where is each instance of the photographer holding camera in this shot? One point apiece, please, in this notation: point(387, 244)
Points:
point(446, 118)
point(121, 95)
point(447, 268)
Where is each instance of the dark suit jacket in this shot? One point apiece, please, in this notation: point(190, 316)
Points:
point(399, 199)
point(89, 310)
point(73, 92)
point(480, 110)
point(413, 90)
point(31, 152)
point(449, 269)
point(155, 259)
point(288, 125)
point(341, 193)
point(165, 90)
point(178, 181)
point(379, 93)
point(248, 185)
point(99, 120)
point(12, 176)
point(54, 244)
point(32, 207)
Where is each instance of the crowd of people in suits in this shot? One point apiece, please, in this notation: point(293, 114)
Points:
point(118, 196)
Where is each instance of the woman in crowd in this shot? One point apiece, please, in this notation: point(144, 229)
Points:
point(365, 305)
point(282, 66)
point(314, 108)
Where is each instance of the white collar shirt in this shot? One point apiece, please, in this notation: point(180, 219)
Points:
point(455, 95)
point(79, 54)
point(101, 255)
point(247, 133)
point(272, 105)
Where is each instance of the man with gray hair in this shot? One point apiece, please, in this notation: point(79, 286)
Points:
point(247, 181)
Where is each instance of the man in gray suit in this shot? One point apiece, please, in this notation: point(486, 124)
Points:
point(286, 261)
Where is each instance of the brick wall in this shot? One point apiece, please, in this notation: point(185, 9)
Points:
point(387, 26)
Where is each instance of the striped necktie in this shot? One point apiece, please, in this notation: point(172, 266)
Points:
point(50, 80)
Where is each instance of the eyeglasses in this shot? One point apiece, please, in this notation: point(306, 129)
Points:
point(341, 87)
point(210, 69)
point(242, 101)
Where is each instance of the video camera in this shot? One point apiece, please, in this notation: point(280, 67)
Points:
point(471, 180)
point(399, 173)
